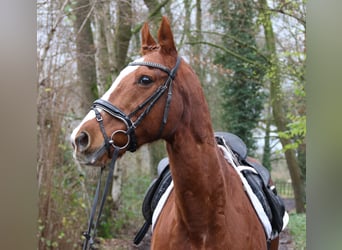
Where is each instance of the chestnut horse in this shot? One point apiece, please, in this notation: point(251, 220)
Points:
point(156, 97)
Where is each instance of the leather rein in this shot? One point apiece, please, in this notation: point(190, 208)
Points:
point(131, 144)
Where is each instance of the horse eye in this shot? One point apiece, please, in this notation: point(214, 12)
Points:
point(145, 80)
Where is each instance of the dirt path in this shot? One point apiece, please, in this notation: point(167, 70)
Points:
point(286, 242)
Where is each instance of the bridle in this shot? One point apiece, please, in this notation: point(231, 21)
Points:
point(114, 111)
point(131, 144)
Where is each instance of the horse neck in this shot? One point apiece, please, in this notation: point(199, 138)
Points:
point(197, 172)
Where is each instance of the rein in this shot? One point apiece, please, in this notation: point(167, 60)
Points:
point(89, 235)
point(131, 144)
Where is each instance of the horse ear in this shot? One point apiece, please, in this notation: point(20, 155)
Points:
point(148, 44)
point(165, 38)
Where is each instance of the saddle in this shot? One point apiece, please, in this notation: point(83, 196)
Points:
point(259, 179)
point(153, 194)
point(256, 175)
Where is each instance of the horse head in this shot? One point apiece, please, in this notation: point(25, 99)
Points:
point(145, 102)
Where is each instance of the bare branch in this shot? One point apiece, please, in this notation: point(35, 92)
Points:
point(281, 11)
point(235, 39)
point(51, 36)
point(242, 58)
point(87, 17)
point(137, 28)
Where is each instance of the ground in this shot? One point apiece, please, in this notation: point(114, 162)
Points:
point(286, 241)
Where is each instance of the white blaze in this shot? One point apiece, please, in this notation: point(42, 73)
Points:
point(91, 115)
point(125, 72)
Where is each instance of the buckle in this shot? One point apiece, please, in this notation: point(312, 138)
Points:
point(98, 116)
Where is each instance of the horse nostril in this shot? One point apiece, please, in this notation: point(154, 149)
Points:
point(83, 141)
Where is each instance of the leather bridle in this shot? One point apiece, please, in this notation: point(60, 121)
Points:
point(131, 144)
point(131, 125)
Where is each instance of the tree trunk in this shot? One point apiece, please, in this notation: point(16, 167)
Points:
point(47, 141)
point(102, 50)
point(85, 53)
point(266, 158)
point(123, 34)
point(277, 108)
point(116, 52)
point(198, 37)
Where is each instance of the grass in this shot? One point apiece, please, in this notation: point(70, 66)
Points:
point(297, 227)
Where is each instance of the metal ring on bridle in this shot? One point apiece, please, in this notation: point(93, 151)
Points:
point(147, 104)
point(112, 142)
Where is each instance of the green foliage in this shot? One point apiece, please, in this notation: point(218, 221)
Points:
point(65, 202)
point(296, 127)
point(129, 218)
point(106, 226)
point(243, 95)
point(68, 11)
point(296, 131)
point(70, 202)
point(297, 226)
point(94, 91)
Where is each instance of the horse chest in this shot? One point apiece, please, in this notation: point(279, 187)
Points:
point(227, 232)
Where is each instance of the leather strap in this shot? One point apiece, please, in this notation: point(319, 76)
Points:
point(90, 234)
point(147, 104)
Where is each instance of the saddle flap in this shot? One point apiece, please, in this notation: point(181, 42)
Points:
point(272, 204)
point(154, 189)
point(146, 205)
point(262, 171)
point(153, 194)
point(163, 185)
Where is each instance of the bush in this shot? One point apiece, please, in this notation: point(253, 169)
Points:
point(129, 217)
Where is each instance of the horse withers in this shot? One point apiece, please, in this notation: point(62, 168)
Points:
point(159, 96)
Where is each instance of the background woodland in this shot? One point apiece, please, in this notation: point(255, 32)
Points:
point(249, 55)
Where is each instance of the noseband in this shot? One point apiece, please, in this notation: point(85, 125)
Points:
point(131, 144)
